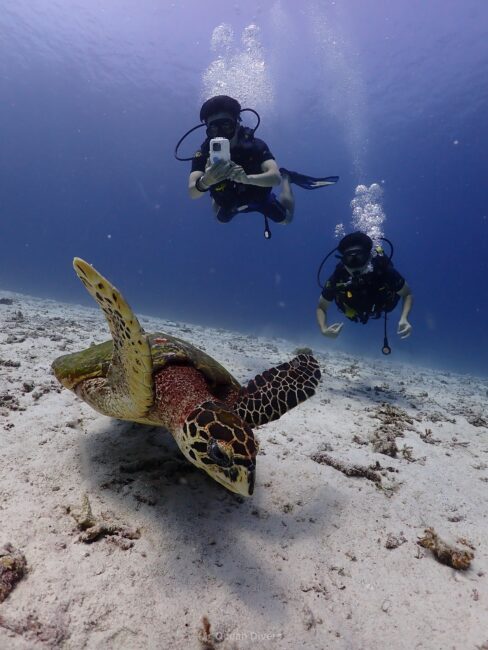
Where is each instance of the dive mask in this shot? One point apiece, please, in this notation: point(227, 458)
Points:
point(222, 128)
point(355, 259)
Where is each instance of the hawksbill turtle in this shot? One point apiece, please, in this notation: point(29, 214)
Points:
point(162, 380)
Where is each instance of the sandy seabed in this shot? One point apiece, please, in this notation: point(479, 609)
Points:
point(323, 555)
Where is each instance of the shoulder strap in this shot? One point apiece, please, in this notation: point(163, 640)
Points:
point(381, 263)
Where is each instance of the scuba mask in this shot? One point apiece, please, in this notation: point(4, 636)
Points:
point(355, 259)
point(222, 128)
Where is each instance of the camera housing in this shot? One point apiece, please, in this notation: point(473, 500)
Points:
point(219, 150)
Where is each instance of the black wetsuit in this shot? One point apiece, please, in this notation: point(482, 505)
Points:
point(366, 296)
point(231, 197)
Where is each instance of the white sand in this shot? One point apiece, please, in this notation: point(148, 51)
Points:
point(301, 564)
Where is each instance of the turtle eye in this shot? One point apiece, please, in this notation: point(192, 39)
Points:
point(217, 454)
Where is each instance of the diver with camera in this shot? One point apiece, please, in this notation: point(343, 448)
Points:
point(238, 169)
point(364, 285)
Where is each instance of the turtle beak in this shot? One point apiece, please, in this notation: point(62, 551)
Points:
point(244, 485)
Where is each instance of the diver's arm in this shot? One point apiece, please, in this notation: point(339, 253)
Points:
point(406, 293)
point(192, 190)
point(269, 177)
point(404, 327)
point(322, 308)
point(327, 330)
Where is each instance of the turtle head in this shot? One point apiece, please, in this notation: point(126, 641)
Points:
point(219, 442)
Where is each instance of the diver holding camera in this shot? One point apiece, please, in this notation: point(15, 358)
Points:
point(238, 169)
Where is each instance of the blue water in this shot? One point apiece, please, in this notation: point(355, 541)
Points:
point(93, 97)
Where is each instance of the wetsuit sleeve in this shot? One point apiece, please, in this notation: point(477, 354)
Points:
point(198, 161)
point(262, 151)
point(394, 279)
point(329, 290)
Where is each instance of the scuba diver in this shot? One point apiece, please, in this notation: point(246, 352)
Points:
point(364, 285)
point(239, 170)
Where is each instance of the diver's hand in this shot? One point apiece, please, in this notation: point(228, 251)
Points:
point(238, 175)
point(404, 328)
point(333, 331)
point(216, 173)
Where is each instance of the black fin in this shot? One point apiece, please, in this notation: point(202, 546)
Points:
point(308, 182)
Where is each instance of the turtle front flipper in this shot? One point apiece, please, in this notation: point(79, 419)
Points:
point(127, 391)
point(277, 390)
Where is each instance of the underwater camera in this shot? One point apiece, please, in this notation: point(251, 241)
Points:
point(219, 150)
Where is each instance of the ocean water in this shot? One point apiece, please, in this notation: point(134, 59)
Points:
point(394, 95)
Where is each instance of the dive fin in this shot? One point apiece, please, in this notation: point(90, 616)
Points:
point(308, 182)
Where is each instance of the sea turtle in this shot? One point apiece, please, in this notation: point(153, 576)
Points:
point(162, 380)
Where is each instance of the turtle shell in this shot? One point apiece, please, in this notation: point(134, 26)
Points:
point(71, 369)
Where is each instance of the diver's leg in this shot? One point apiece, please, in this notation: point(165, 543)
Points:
point(224, 215)
point(286, 198)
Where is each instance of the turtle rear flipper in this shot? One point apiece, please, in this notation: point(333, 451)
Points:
point(275, 391)
point(128, 389)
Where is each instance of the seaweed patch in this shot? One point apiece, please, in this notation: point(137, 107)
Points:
point(13, 567)
point(455, 557)
point(92, 529)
